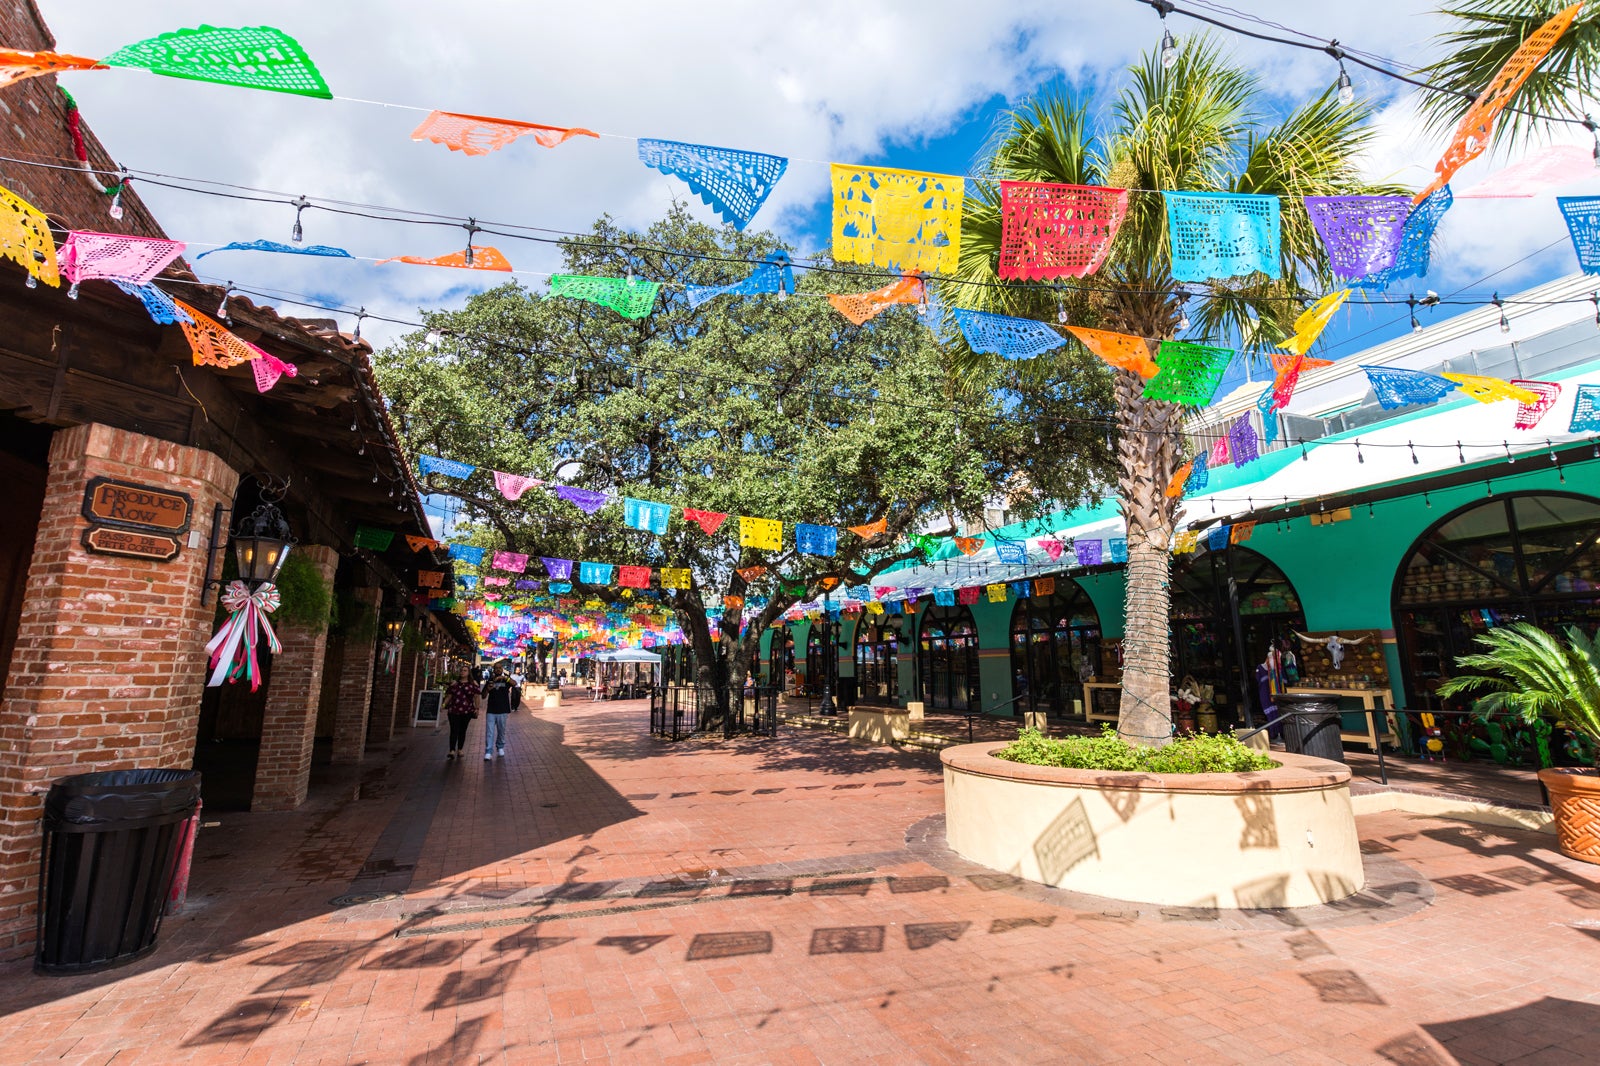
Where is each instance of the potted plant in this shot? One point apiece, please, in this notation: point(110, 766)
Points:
point(1538, 676)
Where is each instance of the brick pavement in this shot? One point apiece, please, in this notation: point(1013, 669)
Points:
point(602, 896)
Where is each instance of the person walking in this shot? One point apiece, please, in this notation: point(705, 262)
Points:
point(461, 707)
point(497, 693)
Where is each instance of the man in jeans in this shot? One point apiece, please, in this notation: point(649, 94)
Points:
point(497, 692)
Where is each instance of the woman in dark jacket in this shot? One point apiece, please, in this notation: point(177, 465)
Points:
point(461, 707)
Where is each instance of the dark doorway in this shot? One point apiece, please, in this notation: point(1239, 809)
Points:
point(24, 468)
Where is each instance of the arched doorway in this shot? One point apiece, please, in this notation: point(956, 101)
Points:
point(816, 661)
point(950, 659)
point(1055, 647)
point(1525, 556)
point(1203, 641)
point(877, 660)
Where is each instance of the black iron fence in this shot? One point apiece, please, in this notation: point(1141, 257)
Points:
point(678, 711)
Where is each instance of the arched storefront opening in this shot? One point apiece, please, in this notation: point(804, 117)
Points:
point(816, 660)
point(780, 662)
point(877, 660)
point(1525, 556)
point(1055, 648)
point(1203, 645)
point(950, 659)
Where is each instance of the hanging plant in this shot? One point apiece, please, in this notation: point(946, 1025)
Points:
point(353, 619)
point(307, 596)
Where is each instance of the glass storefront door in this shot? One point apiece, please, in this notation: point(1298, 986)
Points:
point(1055, 647)
point(949, 659)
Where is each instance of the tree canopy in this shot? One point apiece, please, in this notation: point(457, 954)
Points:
point(761, 406)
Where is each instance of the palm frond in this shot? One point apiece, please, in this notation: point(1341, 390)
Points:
point(1535, 675)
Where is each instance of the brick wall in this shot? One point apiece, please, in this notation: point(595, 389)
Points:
point(288, 729)
point(385, 691)
point(410, 680)
point(355, 681)
point(110, 658)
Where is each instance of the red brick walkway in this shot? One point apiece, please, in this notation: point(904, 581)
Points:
point(602, 896)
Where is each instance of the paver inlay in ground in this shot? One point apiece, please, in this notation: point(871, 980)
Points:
point(600, 895)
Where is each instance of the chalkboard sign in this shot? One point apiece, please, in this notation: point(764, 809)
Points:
point(430, 703)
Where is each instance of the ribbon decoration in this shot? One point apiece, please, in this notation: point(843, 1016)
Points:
point(859, 307)
point(211, 345)
point(251, 57)
point(628, 298)
point(731, 181)
point(480, 135)
point(763, 533)
point(512, 486)
point(269, 370)
point(1222, 235)
point(775, 275)
point(325, 250)
point(1189, 374)
point(1052, 547)
point(1476, 128)
point(162, 309)
point(902, 219)
point(1053, 231)
point(1312, 321)
point(708, 521)
point(968, 545)
point(1529, 414)
point(1548, 168)
point(433, 464)
point(1005, 336)
point(469, 258)
point(1583, 224)
point(17, 65)
point(871, 529)
point(1488, 390)
point(233, 648)
point(25, 239)
point(1119, 350)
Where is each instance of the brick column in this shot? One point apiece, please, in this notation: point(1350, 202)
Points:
point(385, 690)
point(289, 725)
point(110, 657)
point(410, 682)
point(355, 678)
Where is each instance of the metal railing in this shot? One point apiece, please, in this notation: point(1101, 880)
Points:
point(678, 711)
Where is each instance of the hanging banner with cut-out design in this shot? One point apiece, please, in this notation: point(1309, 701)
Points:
point(923, 543)
point(763, 533)
point(645, 515)
point(496, 582)
point(1198, 475)
point(1360, 233)
point(751, 573)
point(634, 577)
point(1396, 387)
point(1242, 442)
point(968, 545)
point(512, 561)
point(1583, 224)
point(1219, 537)
point(433, 464)
point(483, 258)
point(776, 275)
point(1118, 547)
point(1585, 410)
point(480, 135)
point(1220, 451)
point(1529, 414)
point(1543, 169)
point(1489, 390)
point(1120, 350)
point(859, 307)
point(708, 521)
point(944, 597)
point(586, 500)
point(26, 240)
point(1056, 231)
point(1044, 586)
point(1013, 552)
point(675, 577)
point(816, 540)
point(997, 593)
point(731, 181)
point(467, 553)
point(871, 529)
point(1011, 338)
point(900, 219)
point(1185, 542)
point(1189, 373)
point(1089, 552)
point(1242, 531)
point(1414, 253)
point(430, 579)
point(630, 299)
point(1021, 590)
point(212, 345)
point(269, 370)
point(1313, 320)
point(251, 57)
point(18, 66)
point(1476, 128)
point(418, 544)
point(595, 573)
point(968, 596)
point(377, 540)
point(559, 569)
point(1267, 404)
point(86, 255)
point(512, 486)
point(324, 250)
point(162, 309)
point(1179, 477)
point(1222, 235)
point(1052, 547)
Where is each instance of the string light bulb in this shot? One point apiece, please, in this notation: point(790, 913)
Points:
point(1169, 46)
point(472, 229)
point(1061, 313)
point(115, 210)
point(297, 235)
point(222, 308)
point(1416, 326)
point(1505, 323)
point(361, 314)
point(1347, 91)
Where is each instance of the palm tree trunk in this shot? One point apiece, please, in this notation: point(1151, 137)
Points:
point(1147, 455)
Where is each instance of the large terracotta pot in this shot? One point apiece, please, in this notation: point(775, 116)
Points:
point(1575, 801)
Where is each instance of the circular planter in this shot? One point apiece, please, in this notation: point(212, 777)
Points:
point(1284, 837)
point(1575, 802)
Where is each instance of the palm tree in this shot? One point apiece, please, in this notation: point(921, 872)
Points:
point(1198, 125)
point(1536, 676)
point(1486, 35)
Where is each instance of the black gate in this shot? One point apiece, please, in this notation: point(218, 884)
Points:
point(678, 711)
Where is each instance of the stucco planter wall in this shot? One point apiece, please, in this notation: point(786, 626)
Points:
point(1284, 837)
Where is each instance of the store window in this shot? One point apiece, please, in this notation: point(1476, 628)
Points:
point(1202, 620)
point(877, 660)
point(1527, 556)
point(816, 660)
point(1055, 650)
point(950, 660)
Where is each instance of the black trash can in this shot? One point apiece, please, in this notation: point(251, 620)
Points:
point(1311, 726)
point(110, 852)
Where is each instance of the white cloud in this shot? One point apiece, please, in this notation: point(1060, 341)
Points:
point(815, 81)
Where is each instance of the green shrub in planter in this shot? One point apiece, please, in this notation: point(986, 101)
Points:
point(1197, 754)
